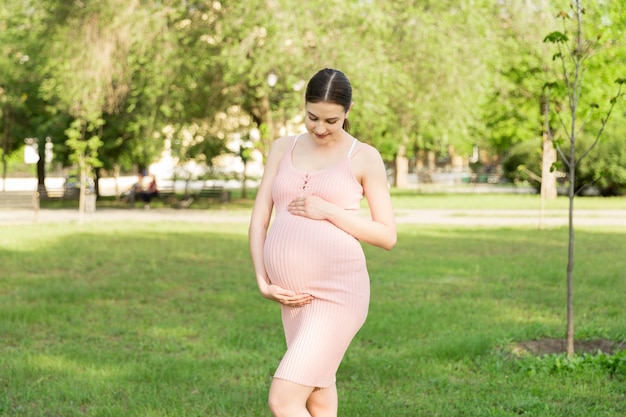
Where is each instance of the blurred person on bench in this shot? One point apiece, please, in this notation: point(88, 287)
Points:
point(150, 192)
point(134, 192)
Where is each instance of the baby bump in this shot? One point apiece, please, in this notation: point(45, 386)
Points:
point(307, 255)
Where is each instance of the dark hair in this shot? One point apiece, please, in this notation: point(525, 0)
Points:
point(330, 86)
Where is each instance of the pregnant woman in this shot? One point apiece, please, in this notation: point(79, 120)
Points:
point(310, 259)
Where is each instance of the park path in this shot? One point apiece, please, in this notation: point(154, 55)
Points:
point(456, 217)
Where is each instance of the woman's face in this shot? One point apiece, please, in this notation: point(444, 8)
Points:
point(324, 120)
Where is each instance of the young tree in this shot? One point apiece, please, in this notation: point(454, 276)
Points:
point(88, 76)
point(572, 56)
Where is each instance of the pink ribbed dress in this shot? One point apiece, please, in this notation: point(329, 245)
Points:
point(316, 257)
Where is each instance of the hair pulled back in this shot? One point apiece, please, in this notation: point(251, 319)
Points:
point(330, 86)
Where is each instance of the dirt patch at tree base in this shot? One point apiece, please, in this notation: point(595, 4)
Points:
point(553, 346)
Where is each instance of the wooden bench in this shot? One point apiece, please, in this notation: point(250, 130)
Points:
point(167, 193)
point(19, 200)
point(207, 193)
point(214, 193)
point(54, 193)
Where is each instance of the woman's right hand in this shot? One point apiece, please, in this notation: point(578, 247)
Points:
point(286, 297)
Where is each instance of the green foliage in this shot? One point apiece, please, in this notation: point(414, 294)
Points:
point(598, 144)
point(605, 167)
point(522, 163)
point(556, 37)
point(441, 57)
point(85, 147)
point(513, 113)
point(614, 365)
point(22, 112)
point(426, 75)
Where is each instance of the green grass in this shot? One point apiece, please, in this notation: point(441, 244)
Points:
point(417, 200)
point(109, 202)
point(402, 199)
point(118, 319)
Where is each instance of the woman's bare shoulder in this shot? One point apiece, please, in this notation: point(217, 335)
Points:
point(278, 148)
point(369, 152)
point(281, 144)
point(367, 162)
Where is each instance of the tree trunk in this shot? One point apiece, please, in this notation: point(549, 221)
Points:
point(244, 174)
point(402, 168)
point(430, 161)
point(4, 171)
point(97, 173)
point(570, 259)
point(548, 155)
point(548, 176)
point(82, 196)
point(41, 170)
point(268, 137)
point(5, 147)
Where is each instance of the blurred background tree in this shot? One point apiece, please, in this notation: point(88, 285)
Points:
point(434, 81)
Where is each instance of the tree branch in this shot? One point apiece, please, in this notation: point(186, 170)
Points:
point(604, 122)
point(549, 131)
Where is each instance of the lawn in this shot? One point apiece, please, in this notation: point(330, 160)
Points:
point(415, 199)
point(118, 319)
point(408, 199)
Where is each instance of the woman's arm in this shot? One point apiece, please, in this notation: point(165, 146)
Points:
point(259, 224)
point(262, 213)
point(380, 229)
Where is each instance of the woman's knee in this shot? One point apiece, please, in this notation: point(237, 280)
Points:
point(282, 405)
point(288, 399)
point(323, 402)
point(275, 402)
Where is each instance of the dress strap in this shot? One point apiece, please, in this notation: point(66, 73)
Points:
point(352, 148)
point(293, 144)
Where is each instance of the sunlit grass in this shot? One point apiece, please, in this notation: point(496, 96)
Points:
point(403, 199)
point(164, 319)
point(470, 201)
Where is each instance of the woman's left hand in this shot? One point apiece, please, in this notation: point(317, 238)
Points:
point(311, 206)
